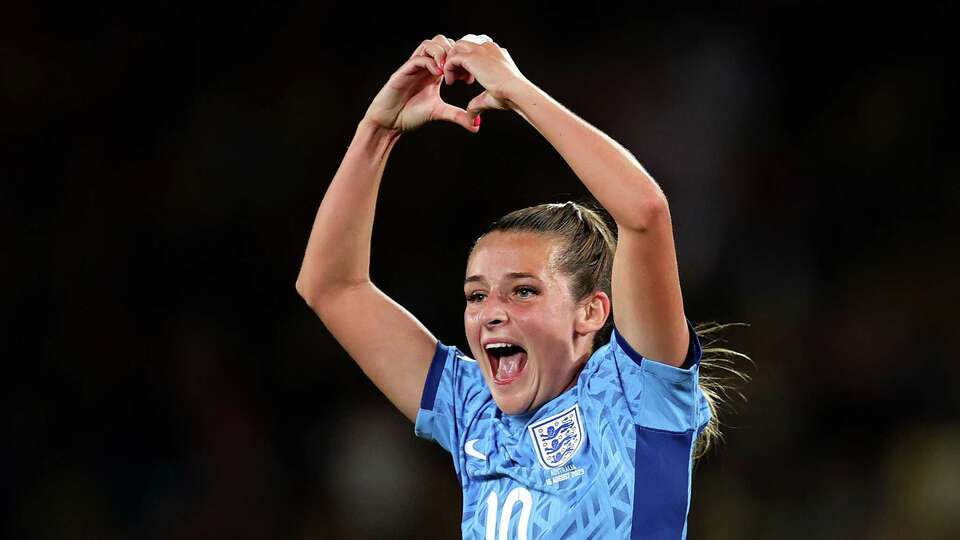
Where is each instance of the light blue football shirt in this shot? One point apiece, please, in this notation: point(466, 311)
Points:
point(609, 458)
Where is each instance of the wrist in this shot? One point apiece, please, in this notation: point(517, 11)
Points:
point(373, 140)
point(375, 130)
point(518, 93)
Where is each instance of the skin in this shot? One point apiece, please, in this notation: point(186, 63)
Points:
point(388, 343)
point(535, 311)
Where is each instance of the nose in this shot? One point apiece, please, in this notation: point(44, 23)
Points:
point(493, 313)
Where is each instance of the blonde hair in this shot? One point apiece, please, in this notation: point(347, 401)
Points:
point(586, 256)
point(720, 379)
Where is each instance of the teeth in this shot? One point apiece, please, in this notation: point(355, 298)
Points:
point(499, 345)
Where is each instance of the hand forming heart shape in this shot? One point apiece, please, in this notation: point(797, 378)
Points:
point(412, 95)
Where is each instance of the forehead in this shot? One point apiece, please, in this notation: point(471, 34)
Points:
point(502, 252)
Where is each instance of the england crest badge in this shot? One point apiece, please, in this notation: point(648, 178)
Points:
point(558, 438)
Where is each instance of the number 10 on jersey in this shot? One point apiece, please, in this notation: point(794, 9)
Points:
point(517, 495)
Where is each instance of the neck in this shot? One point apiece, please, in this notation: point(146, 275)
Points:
point(580, 363)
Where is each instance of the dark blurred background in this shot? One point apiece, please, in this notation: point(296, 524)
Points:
point(161, 165)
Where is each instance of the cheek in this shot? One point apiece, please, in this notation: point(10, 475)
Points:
point(554, 331)
point(469, 318)
point(551, 328)
point(471, 329)
point(557, 318)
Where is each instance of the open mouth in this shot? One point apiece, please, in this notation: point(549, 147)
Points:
point(507, 361)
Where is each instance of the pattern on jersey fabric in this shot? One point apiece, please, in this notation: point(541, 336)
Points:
point(624, 434)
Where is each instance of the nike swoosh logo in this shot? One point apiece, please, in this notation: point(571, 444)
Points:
point(473, 452)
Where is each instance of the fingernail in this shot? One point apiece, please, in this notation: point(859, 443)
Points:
point(476, 121)
point(443, 61)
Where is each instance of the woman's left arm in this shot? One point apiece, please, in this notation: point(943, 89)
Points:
point(647, 303)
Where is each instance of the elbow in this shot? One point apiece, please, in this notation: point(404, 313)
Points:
point(319, 292)
point(304, 291)
point(310, 290)
point(652, 213)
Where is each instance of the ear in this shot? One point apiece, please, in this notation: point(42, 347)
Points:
point(592, 312)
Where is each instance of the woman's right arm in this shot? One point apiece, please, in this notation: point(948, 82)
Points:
point(388, 343)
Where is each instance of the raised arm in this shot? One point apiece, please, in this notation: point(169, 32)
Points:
point(647, 304)
point(386, 341)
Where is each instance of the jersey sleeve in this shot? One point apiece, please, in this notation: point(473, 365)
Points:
point(452, 394)
point(660, 396)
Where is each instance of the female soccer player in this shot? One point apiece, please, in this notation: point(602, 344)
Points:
point(551, 436)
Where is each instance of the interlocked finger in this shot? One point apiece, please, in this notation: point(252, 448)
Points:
point(435, 48)
point(457, 71)
point(436, 53)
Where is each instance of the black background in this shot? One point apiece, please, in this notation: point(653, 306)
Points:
point(160, 168)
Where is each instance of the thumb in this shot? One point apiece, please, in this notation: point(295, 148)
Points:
point(464, 119)
point(484, 101)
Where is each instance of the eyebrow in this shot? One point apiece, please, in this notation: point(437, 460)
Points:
point(511, 275)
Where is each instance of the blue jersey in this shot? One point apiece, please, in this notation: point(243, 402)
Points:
point(610, 457)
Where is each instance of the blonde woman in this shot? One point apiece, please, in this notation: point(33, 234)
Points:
point(555, 429)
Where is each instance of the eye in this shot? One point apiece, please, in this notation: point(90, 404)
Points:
point(525, 292)
point(475, 297)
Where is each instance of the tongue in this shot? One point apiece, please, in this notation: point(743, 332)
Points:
point(510, 366)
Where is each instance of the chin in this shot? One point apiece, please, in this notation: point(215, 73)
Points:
point(512, 410)
point(512, 404)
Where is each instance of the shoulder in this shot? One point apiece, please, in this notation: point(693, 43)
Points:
point(453, 375)
point(454, 392)
point(650, 393)
point(600, 379)
point(621, 347)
